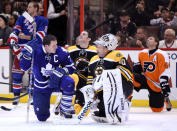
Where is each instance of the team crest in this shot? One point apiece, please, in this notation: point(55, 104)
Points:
point(148, 66)
point(47, 70)
point(81, 59)
point(99, 69)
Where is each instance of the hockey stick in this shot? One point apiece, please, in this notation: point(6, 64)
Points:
point(87, 91)
point(32, 21)
point(12, 99)
point(57, 102)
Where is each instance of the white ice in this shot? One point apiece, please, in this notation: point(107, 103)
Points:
point(140, 119)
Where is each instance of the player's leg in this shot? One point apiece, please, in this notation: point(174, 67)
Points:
point(17, 75)
point(67, 85)
point(79, 100)
point(99, 115)
point(139, 82)
point(57, 103)
point(113, 105)
point(156, 101)
point(41, 104)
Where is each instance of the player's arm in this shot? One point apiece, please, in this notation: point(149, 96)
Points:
point(125, 69)
point(41, 30)
point(25, 60)
point(13, 37)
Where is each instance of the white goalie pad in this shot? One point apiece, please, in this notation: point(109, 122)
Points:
point(116, 108)
point(98, 83)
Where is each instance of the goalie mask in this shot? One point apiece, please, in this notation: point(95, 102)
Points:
point(108, 40)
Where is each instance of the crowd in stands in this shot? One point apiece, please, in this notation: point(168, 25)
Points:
point(131, 27)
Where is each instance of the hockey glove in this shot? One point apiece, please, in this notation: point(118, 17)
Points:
point(55, 78)
point(137, 68)
point(12, 42)
point(164, 85)
point(27, 52)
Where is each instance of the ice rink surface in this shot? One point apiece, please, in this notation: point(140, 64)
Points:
point(140, 119)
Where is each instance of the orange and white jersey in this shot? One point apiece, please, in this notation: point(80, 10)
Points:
point(154, 66)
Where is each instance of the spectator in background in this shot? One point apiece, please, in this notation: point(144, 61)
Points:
point(125, 25)
point(169, 39)
point(57, 16)
point(7, 10)
point(5, 30)
point(122, 40)
point(19, 6)
point(140, 38)
point(170, 4)
point(154, 7)
point(164, 19)
point(88, 22)
point(76, 22)
point(139, 15)
point(41, 9)
point(12, 20)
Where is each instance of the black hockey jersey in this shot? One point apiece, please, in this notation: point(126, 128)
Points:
point(113, 60)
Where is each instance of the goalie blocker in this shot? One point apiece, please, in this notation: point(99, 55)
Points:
point(115, 102)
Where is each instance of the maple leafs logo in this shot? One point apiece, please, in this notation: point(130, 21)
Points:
point(47, 70)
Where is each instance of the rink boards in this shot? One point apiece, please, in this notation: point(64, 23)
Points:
point(139, 99)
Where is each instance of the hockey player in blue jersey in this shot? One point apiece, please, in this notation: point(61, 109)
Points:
point(51, 67)
point(23, 32)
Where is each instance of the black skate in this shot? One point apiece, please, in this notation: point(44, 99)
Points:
point(99, 117)
point(66, 115)
point(16, 101)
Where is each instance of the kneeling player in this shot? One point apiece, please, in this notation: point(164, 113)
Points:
point(51, 66)
point(153, 73)
point(112, 84)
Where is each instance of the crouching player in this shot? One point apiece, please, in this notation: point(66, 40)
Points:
point(51, 66)
point(153, 73)
point(109, 81)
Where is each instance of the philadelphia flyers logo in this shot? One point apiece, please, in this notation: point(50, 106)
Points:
point(149, 66)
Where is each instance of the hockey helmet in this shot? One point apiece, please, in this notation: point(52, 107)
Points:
point(108, 40)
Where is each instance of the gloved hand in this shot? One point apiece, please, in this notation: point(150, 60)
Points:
point(27, 52)
point(164, 85)
point(12, 41)
point(137, 68)
point(55, 78)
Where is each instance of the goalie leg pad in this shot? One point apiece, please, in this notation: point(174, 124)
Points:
point(114, 99)
point(41, 105)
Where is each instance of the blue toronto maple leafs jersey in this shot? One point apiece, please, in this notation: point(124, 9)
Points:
point(44, 64)
point(24, 26)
